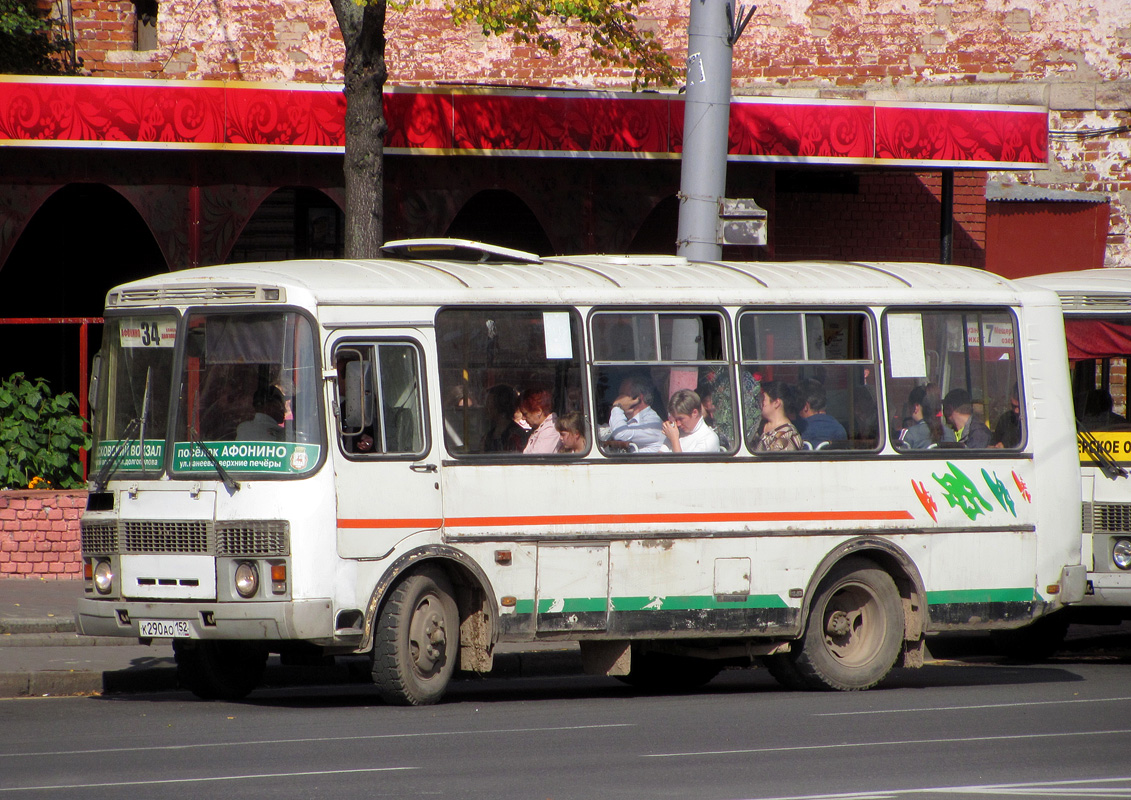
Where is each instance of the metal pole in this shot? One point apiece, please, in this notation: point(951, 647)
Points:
point(946, 221)
point(706, 121)
point(84, 388)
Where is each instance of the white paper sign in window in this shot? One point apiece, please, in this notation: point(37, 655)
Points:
point(555, 327)
point(905, 346)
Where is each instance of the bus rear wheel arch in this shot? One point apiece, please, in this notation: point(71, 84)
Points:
point(854, 630)
point(416, 640)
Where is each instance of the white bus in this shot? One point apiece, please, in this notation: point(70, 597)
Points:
point(1097, 319)
point(324, 457)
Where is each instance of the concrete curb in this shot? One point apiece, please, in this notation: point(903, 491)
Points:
point(15, 626)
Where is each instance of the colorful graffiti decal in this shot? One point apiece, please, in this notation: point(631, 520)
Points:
point(961, 492)
point(1021, 487)
point(924, 495)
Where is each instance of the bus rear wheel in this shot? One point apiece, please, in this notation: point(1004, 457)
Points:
point(219, 670)
point(855, 629)
point(416, 643)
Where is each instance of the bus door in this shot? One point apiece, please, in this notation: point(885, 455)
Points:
point(386, 469)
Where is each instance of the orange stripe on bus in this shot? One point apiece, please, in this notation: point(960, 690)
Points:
point(598, 519)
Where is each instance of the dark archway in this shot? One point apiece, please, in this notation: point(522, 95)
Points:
point(657, 233)
point(292, 222)
point(499, 217)
point(84, 240)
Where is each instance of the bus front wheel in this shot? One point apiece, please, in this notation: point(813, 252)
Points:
point(219, 670)
point(416, 643)
point(855, 628)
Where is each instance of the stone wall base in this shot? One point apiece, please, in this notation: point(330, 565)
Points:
point(40, 535)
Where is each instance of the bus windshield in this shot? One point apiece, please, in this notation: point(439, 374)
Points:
point(1098, 350)
point(136, 374)
point(249, 394)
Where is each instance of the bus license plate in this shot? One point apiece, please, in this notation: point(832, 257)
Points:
point(165, 629)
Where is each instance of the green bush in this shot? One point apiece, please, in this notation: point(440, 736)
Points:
point(41, 436)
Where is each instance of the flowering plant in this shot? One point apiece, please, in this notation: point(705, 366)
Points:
point(41, 436)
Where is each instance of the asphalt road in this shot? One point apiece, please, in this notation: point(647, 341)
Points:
point(1056, 730)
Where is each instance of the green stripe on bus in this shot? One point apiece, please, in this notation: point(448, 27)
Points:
point(981, 596)
point(672, 603)
point(699, 602)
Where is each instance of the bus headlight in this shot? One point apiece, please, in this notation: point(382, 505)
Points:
point(103, 577)
point(247, 578)
point(1121, 553)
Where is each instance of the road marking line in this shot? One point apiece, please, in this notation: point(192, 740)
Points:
point(845, 745)
point(1052, 789)
point(316, 739)
point(201, 780)
point(973, 708)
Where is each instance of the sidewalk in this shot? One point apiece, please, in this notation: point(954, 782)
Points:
point(41, 654)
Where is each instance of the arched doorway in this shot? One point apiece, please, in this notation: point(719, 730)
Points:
point(85, 239)
point(293, 222)
point(657, 234)
point(495, 216)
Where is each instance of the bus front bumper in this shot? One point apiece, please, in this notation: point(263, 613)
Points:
point(307, 620)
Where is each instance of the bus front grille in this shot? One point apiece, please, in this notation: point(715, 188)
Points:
point(1111, 517)
point(99, 537)
point(165, 537)
point(269, 537)
point(253, 537)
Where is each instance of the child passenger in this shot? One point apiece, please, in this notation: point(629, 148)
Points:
point(685, 428)
point(571, 431)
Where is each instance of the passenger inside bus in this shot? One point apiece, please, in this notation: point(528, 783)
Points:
point(718, 417)
point(572, 432)
point(504, 434)
point(921, 427)
point(1098, 411)
point(971, 430)
point(816, 426)
point(1007, 429)
point(270, 411)
point(634, 426)
point(686, 429)
point(537, 406)
point(779, 406)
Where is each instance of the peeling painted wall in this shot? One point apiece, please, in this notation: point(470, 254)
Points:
point(1073, 56)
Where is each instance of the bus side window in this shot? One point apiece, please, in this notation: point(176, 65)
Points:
point(827, 361)
point(490, 360)
point(953, 380)
point(649, 357)
point(379, 399)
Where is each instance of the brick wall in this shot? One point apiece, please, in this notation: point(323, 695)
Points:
point(39, 534)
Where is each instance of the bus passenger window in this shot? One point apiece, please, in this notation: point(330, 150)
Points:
point(657, 370)
point(379, 399)
point(952, 380)
point(506, 375)
point(821, 367)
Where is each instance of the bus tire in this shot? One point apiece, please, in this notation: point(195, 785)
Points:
point(665, 672)
point(219, 670)
point(416, 643)
point(855, 628)
point(783, 670)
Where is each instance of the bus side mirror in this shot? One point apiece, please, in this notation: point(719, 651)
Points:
point(356, 401)
point(92, 398)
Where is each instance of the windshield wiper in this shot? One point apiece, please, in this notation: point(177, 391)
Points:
point(230, 484)
point(1102, 457)
point(111, 464)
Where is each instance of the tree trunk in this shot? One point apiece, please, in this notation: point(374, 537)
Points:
point(363, 30)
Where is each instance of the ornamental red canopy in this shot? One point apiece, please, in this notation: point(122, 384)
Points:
point(95, 112)
point(1097, 338)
